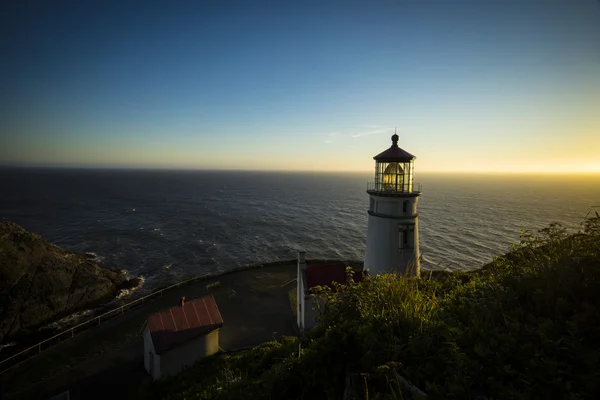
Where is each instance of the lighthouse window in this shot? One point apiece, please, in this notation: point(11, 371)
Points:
point(393, 177)
point(404, 206)
point(406, 236)
point(402, 237)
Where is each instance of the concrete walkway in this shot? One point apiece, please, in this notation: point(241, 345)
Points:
point(107, 361)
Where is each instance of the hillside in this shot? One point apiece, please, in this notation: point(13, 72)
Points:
point(523, 327)
point(40, 282)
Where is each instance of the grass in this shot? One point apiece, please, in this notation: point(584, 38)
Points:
point(524, 326)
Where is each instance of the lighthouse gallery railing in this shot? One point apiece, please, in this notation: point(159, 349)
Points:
point(414, 188)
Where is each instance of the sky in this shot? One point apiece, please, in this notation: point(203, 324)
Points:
point(470, 86)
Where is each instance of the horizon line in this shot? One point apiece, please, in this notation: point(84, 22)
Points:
point(192, 169)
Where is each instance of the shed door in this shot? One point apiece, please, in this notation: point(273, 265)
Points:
point(151, 358)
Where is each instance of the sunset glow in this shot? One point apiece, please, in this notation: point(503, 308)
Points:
point(499, 86)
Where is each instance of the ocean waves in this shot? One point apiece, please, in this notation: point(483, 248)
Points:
point(170, 225)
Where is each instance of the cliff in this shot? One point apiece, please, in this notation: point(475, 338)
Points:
point(40, 282)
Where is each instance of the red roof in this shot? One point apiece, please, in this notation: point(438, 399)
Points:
point(394, 153)
point(326, 274)
point(178, 325)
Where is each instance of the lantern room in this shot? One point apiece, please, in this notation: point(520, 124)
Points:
point(393, 170)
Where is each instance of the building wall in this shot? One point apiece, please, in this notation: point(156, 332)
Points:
point(148, 349)
point(384, 252)
point(157, 367)
point(308, 312)
point(300, 299)
point(314, 306)
point(174, 360)
point(300, 290)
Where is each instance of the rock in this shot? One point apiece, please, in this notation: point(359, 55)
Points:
point(131, 283)
point(40, 282)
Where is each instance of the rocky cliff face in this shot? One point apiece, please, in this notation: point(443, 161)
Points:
point(40, 282)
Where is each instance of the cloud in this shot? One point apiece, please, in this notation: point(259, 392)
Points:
point(371, 132)
point(365, 130)
point(372, 126)
point(377, 129)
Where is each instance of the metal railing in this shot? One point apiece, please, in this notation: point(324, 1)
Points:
point(414, 188)
point(69, 333)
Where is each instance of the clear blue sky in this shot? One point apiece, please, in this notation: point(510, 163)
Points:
point(471, 85)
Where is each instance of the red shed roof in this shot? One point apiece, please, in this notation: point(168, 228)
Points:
point(178, 325)
point(326, 274)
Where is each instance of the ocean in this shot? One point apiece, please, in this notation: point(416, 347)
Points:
point(169, 225)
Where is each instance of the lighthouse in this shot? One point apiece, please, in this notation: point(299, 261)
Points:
point(393, 230)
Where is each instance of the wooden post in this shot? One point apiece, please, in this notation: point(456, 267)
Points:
point(121, 309)
point(72, 333)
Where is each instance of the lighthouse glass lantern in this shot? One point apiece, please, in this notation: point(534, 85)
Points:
point(393, 234)
point(394, 170)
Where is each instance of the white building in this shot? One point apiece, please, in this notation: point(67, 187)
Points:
point(393, 231)
point(311, 276)
point(180, 336)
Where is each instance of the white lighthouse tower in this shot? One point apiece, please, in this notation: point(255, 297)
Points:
point(393, 233)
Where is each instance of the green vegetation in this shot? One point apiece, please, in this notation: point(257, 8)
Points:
point(293, 297)
point(524, 326)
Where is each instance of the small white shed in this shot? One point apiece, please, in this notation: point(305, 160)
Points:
point(181, 335)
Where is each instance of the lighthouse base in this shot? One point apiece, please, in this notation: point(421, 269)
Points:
point(393, 245)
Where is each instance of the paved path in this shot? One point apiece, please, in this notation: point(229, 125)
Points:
point(107, 361)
